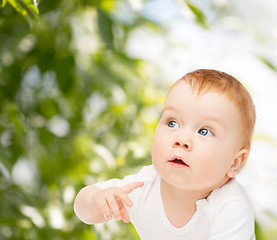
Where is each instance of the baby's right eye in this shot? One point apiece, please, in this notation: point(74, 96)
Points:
point(173, 124)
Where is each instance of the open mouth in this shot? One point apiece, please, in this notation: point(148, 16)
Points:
point(178, 163)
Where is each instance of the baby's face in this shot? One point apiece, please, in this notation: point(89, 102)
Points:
point(197, 139)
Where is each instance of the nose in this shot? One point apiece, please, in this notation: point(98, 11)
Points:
point(182, 141)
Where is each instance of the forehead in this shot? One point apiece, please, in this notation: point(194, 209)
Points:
point(210, 103)
point(181, 89)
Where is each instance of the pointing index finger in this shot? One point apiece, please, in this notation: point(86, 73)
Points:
point(131, 187)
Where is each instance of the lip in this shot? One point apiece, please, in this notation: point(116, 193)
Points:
point(178, 162)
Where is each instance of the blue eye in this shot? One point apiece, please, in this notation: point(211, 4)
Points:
point(205, 132)
point(173, 124)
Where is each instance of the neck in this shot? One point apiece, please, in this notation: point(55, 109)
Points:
point(179, 205)
point(177, 194)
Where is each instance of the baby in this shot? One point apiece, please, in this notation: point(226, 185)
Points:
point(190, 192)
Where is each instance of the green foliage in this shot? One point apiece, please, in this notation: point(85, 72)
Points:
point(3, 3)
point(268, 63)
point(27, 8)
point(199, 15)
point(68, 115)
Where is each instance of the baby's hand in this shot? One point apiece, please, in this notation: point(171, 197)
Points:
point(111, 200)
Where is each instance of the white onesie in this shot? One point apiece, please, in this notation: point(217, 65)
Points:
point(225, 215)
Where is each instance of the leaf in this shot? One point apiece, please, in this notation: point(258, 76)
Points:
point(200, 16)
point(107, 5)
point(105, 25)
point(3, 3)
point(263, 137)
point(268, 63)
point(27, 9)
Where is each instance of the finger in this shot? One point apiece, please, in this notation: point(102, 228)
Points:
point(125, 214)
point(123, 198)
point(103, 208)
point(113, 205)
point(107, 214)
point(131, 187)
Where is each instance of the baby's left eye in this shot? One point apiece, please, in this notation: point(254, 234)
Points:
point(205, 132)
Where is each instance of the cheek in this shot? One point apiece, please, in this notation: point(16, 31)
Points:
point(206, 161)
point(159, 143)
point(158, 135)
point(212, 160)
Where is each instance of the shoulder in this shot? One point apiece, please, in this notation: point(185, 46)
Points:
point(230, 212)
point(229, 192)
point(230, 197)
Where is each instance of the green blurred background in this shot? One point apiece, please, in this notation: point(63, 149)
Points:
point(76, 107)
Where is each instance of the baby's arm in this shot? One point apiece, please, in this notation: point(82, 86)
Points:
point(94, 205)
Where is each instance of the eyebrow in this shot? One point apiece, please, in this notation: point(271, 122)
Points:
point(213, 119)
point(206, 118)
point(170, 108)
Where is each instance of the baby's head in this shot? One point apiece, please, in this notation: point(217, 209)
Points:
point(204, 80)
point(204, 134)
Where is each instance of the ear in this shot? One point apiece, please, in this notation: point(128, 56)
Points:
point(237, 163)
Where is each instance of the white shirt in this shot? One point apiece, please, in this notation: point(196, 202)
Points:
point(225, 215)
